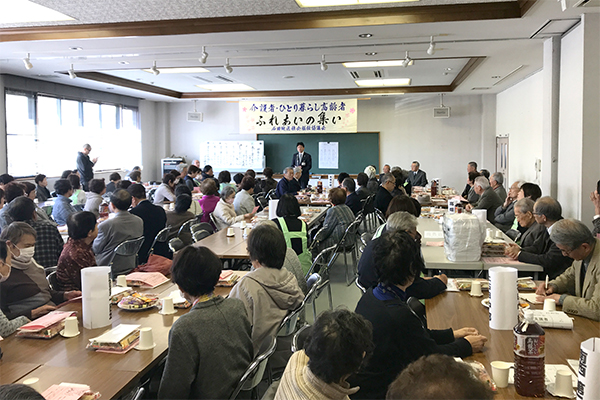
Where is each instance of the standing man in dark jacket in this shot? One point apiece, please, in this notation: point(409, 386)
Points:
point(304, 161)
point(85, 166)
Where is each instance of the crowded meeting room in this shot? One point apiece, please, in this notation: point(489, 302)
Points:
point(300, 199)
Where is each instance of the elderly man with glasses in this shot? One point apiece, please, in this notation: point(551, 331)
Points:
point(577, 289)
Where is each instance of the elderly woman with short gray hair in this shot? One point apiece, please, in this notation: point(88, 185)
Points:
point(224, 213)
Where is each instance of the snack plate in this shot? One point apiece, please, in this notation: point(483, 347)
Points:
point(486, 303)
point(137, 308)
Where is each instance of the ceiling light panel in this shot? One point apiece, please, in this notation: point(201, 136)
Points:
point(382, 82)
point(374, 64)
point(23, 11)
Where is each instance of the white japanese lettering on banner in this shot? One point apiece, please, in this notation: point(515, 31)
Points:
point(329, 116)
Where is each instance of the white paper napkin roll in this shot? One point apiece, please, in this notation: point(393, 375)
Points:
point(588, 385)
point(95, 289)
point(273, 208)
point(504, 298)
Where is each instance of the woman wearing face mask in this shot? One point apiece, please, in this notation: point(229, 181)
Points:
point(225, 211)
point(7, 326)
point(26, 291)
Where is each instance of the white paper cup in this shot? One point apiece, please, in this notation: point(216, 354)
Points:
point(172, 206)
point(146, 339)
point(167, 306)
point(489, 233)
point(122, 280)
point(33, 383)
point(243, 224)
point(564, 383)
point(246, 231)
point(71, 326)
point(500, 373)
point(499, 234)
point(166, 207)
point(476, 289)
point(549, 305)
point(230, 232)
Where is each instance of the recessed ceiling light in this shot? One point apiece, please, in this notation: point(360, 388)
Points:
point(123, 62)
point(448, 69)
point(372, 53)
point(365, 35)
point(496, 77)
point(376, 64)
point(330, 3)
point(226, 87)
point(76, 48)
point(21, 11)
point(383, 82)
point(289, 77)
point(110, 88)
point(183, 70)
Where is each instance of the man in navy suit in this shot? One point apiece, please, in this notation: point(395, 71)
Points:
point(416, 176)
point(304, 161)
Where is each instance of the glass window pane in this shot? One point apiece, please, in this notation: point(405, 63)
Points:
point(70, 113)
point(20, 135)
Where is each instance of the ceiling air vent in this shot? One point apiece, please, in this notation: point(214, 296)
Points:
point(354, 74)
point(223, 79)
point(378, 73)
point(480, 88)
point(202, 79)
point(48, 76)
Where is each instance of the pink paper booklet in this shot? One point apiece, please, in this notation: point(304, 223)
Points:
point(146, 279)
point(45, 327)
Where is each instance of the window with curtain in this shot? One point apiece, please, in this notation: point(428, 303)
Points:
point(44, 134)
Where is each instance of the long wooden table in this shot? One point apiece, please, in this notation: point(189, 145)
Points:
point(234, 247)
point(435, 257)
point(458, 310)
point(67, 360)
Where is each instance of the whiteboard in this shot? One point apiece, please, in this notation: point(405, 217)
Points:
point(234, 155)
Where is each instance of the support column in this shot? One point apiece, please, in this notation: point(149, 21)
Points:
point(550, 112)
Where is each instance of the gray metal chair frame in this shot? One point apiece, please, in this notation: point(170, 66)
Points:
point(161, 237)
point(254, 374)
point(272, 194)
point(300, 337)
point(361, 287)
point(176, 244)
point(288, 324)
point(348, 245)
point(127, 248)
point(185, 227)
point(324, 259)
point(213, 219)
point(52, 280)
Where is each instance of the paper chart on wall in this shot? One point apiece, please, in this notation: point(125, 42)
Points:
point(328, 155)
point(233, 155)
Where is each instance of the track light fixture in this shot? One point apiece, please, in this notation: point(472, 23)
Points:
point(323, 63)
point(154, 70)
point(27, 62)
point(204, 55)
point(431, 49)
point(406, 62)
point(72, 73)
point(227, 67)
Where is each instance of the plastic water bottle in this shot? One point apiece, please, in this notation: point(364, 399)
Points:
point(529, 348)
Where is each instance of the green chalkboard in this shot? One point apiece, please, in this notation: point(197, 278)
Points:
point(356, 150)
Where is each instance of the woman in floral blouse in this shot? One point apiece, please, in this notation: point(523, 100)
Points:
point(77, 252)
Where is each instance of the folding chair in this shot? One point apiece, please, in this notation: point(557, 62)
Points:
point(128, 248)
point(161, 237)
point(52, 280)
point(348, 245)
point(272, 194)
point(176, 244)
point(213, 219)
point(185, 227)
point(202, 226)
point(323, 260)
point(199, 235)
point(254, 374)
